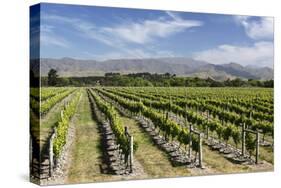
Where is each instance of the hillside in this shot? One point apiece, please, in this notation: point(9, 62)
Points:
point(69, 67)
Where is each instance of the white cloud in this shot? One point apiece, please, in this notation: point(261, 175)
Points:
point(53, 40)
point(46, 28)
point(121, 35)
point(173, 15)
point(91, 31)
point(259, 54)
point(147, 30)
point(129, 32)
point(85, 29)
point(49, 38)
point(257, 29)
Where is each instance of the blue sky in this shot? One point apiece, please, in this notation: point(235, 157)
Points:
point(100, 33)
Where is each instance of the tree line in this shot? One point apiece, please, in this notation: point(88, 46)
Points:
point(148, 79)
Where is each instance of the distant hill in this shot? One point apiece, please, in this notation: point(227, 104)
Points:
point(69, 67)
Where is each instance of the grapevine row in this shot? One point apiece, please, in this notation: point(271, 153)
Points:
point(223, 115)
point(266, 115)
point(115, 122)
point(223, 132)
point(168, 127)
point(50, 102)
point(257, 104)
point(63, 124)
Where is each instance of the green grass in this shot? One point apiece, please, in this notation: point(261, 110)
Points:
point(154, 161)
point(216, 161)
point(267, 154)
point(86, 154)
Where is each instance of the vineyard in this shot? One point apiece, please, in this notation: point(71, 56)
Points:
point(114, 133)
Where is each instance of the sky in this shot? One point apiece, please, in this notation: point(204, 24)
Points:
point(101, 33)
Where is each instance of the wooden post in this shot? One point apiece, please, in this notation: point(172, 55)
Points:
point(51, 155)
point(61, 114)
point(31, 155)
point(243, 139)
point(131, 153)
point(257, 147)
point(185, 115)
point(119, 153)
point(208, 123)
point(200, 151)
point(190, 142)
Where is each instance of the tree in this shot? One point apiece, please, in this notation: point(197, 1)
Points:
point(269, 83)
point(52, 77)
point(237, 82)
point(167, 75)
point(64, 82)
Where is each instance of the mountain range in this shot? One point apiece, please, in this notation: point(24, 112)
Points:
point(69, 67)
